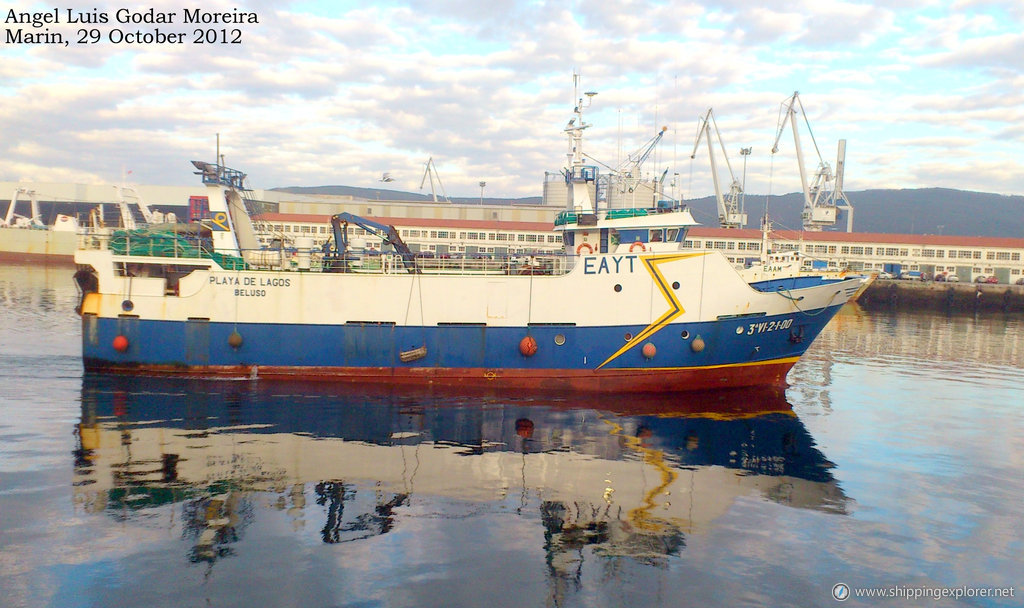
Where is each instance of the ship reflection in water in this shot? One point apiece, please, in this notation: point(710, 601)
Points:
point(628, 478)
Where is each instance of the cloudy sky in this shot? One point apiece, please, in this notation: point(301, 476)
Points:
point(926, 93)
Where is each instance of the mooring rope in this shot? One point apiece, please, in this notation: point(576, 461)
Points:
point(789, 296)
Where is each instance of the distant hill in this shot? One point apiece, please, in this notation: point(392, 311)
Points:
point(920, 211)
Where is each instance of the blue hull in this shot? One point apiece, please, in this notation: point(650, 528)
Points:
point(452, 351)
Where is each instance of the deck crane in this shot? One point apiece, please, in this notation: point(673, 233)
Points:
point(730, 213)
point(825, 195)
point(628, 181)
point(636, 160)
point(385, 232)
point(431, 171)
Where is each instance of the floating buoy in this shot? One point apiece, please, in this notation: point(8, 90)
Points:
point(698, 344)
point(120, 344)
point(235, 339)
point(528, 346)
point(524, 428)
point(649, 350)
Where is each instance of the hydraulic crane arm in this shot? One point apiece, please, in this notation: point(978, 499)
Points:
point(633, 164)
point(387, 233)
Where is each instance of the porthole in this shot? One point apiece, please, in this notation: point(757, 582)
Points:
point(618, 288)
point(628, 336)
point(675, 284)
point(685, 335)
point(559, 339)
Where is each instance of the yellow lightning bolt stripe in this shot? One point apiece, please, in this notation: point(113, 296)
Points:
point(675, 308)
point(643, 517)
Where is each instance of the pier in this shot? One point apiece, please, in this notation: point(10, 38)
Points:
point(950, 297)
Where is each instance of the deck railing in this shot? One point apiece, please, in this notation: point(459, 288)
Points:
point(392, 263)
point(157, 244)
point(189, 246)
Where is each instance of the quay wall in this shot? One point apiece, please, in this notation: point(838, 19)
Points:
point(950, 297)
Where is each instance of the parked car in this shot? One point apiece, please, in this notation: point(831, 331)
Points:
point(981, 279)
point(940, 277)
point(1019, 281)
point(885, 275)
point(952, 278)
point(992, 279)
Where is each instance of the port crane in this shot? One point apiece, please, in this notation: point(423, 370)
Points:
point(431, 171)
point(824, 196)
point(730, 211)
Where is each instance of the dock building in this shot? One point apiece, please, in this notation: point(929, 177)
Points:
point(966, 257)
point(442, 228)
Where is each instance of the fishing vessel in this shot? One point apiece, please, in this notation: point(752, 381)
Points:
point(624, 307)
point(52, 236)
point(28, 237)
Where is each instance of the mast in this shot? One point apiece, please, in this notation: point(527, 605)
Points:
point(232, 208)
point(766, 228)
point(580, 177)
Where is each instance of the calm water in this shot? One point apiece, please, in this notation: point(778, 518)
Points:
point(895, 460)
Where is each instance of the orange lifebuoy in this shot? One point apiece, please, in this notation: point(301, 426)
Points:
point(633, 247)
point(582, 245)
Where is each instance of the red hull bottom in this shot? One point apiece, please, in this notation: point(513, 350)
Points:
point(649, 380)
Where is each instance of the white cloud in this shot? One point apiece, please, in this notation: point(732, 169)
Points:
point(340, 95)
